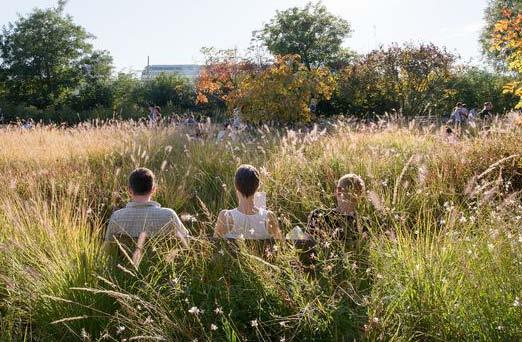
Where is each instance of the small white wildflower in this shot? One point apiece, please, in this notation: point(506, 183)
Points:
point(194, 310)
point(148, 320)
point(463, 219)
point(120, 329)
point(375, 320)
point(222, 252)
point(282, 339)
point(283, 324)
point(516, 303)
point(491, 247)
point(442, 222)
point(254, 323)
point(218, 310)
point(213, 327)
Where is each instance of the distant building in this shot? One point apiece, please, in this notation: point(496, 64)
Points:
point(191, 71)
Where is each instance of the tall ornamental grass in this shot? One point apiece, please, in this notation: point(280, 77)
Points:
point(441, 260)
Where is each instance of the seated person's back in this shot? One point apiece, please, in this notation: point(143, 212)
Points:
point(142, 215)
point(339, 222)
point(247, 221)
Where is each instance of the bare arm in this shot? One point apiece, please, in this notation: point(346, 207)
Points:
point(222, 224)
point(181, 231)
point(273, 226)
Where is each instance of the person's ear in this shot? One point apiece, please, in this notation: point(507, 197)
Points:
point(154, 188)
point(129, 190)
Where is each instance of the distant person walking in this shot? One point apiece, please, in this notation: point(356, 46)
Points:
point(459, 115)
point(486, 112)
point(157, 114)
point(152, 115)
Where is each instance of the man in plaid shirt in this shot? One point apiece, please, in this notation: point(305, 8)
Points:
point(143, 217)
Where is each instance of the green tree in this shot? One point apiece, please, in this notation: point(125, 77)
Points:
point(411, 78)
point(95, 87)
point(128, 96)
point(474, 86)
point(310, 32)
point(44, 56)
point(170, 90)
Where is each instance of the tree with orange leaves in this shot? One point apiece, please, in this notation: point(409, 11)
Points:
point(507, 41)
point(282, 92)
point(220, 75)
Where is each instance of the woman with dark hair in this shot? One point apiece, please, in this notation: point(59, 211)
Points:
point(247, 221)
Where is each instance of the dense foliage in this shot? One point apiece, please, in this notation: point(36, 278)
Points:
point(45, 57)
point(311, 32)
point(492, 15)
point(410, 78)
point(507, 41)
point(220, 75)
point(282, 92)
point(50, 72)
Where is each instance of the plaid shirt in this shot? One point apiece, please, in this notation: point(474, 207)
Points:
point(148, 217)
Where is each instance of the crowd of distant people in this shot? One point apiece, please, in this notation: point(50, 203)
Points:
point(461, 115)
point(142, 217)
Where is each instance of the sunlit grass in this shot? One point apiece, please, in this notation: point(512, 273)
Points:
point(442, 260)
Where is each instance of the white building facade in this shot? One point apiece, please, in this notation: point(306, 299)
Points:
point(191, 71)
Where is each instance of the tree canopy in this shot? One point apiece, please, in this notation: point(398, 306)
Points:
point(507, 42)
point(310, 32)
point(411, 78)
point(45, 57)
point(282, 92)
point(492, 15)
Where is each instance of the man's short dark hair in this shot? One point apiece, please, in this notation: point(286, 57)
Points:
point(247, 180)
point(141, 181)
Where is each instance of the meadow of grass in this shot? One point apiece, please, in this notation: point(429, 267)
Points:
point(442, 261)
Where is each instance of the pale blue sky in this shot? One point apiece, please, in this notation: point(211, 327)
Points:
point(173, 31)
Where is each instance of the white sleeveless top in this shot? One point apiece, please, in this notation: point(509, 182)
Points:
point(248, 227)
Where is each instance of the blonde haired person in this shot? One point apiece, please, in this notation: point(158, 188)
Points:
point(247, 221)
point(339, 222)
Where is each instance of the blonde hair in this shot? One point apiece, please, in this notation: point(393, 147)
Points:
point(351, 182)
